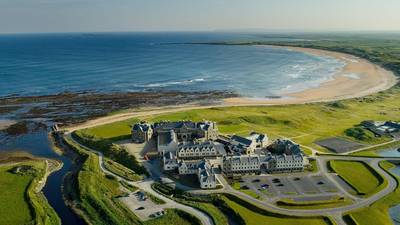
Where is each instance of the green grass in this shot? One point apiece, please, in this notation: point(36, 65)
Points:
point(303, 123)
point(109, 149)
point(154, 199)
point(313, 166)
point(375, 151)
point(364, 179)
point(203, 203)
point(128, 186)
point(117, 129)
point(256, 217)
point(121, 170)
point(331, 203)
point(98, 197)
point(176, 217)
point(360, 134)
point(19, 203)
point(378, 212)
point(218, 216)
point(236, 186)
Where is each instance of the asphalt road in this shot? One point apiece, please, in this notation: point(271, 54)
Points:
point(146, 185)
point(269, 206)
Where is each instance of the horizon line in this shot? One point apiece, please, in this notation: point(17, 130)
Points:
point(272, 31)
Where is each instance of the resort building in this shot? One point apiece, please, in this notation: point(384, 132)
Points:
point(192, 148)
point(142, 132)
point(188, 166)
point(206, 176)
point(241, 164)
point(170, 161)
point(200, 150)
point(283, 163)
point(167, 142)
point(248, 145)
point(284, 146)
point(188, 131)
point(382, 128)
point(242, 145)
point(261, 140)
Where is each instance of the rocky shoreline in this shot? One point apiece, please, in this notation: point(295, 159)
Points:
point(68, 108)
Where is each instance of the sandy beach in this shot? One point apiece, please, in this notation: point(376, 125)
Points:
point(6, 123)
point(357, 78)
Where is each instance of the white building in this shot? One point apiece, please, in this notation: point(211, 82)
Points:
point(260, 139)
point(200, 150)
point(142, 132)
point(169, 161)
point(166, 142)
point(188, 166)
point(242, 145)
point(241, 164)
point(289, 163)
point(206, 176)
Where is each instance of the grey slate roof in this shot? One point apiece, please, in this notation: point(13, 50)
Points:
point(241, 140)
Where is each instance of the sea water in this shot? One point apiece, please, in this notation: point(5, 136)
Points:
point(42, 64)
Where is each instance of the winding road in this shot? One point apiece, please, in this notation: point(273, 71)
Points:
point(204, 218)
point(336, 213)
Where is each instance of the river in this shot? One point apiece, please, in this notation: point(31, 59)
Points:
point(37, 143)
point(394, 211)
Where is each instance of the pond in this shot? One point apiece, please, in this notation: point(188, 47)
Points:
point(394, 211)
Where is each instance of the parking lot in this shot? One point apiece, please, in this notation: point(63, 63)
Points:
point(270, 186)
point(142, 206)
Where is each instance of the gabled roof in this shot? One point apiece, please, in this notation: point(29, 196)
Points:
point(141, 126)
point(241, 140)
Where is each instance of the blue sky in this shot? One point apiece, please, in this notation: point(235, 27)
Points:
point(202, 15)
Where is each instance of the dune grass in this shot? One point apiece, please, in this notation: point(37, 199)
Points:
point(359, 175)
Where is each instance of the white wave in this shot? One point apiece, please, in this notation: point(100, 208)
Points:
point(294, 75)
point(352, 76)
point(353, 60)
point(172, 83)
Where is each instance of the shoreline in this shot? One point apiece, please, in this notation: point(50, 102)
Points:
point(358, 78)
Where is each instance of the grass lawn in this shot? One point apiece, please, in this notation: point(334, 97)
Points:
point(313, 168)
point(254, 217)
point(117, 129)
point(236, 186)
point(19, 203)
point(174, 216)
point(378, 212)
point(336, 202)
point(374, 151)
point(98, 197)
point(303, 123)
point(121, 170)
point(364, 179)
point(218, 216)
point(14, 209)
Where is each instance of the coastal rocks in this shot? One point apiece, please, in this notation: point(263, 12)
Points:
point(77, 107)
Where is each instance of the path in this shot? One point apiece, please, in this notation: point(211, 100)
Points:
point(204, 218)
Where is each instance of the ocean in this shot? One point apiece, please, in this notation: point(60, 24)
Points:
point(43, 64)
